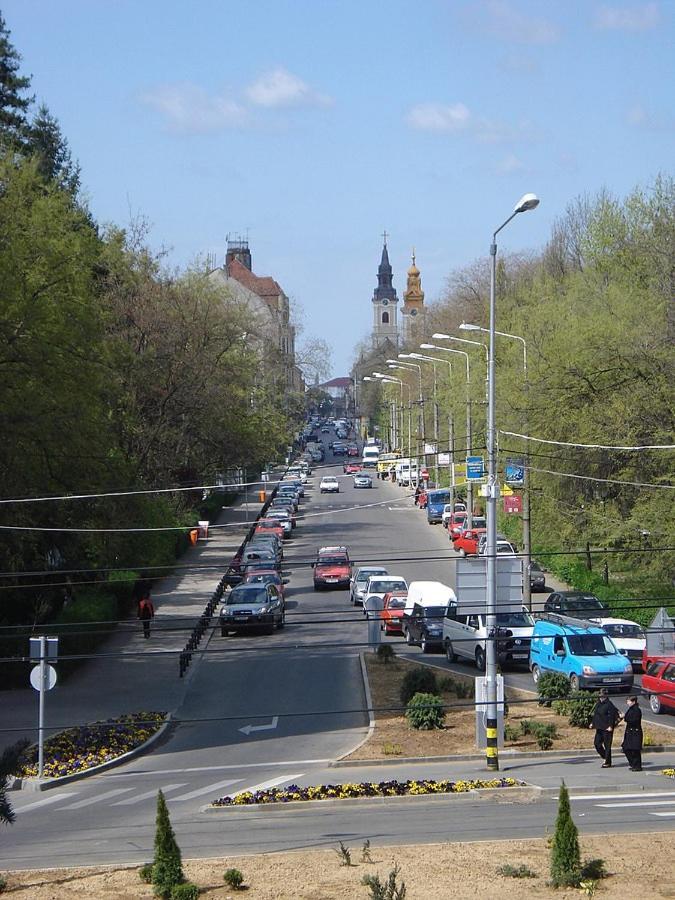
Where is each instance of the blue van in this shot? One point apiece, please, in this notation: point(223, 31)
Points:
point(580, 650)
point(436, 501)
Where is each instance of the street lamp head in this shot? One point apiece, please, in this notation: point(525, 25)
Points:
point(367, 378)
point(392, 361)
point(427, 346)
point(526, 202)
point(440, 337)
point(404, 356)
point(467, 326)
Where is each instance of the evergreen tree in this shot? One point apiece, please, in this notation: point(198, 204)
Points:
point(14, 101)
point(565, 855)
point(49, 146)
point(167, 868)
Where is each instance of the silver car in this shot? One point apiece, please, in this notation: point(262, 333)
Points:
point(357, 587)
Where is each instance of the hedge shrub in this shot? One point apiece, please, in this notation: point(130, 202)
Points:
point(418, 681)
point(425, 712)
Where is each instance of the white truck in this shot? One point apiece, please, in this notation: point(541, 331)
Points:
point(371, 456)
point(407, 472)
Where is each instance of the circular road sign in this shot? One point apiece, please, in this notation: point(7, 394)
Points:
point(50, 677)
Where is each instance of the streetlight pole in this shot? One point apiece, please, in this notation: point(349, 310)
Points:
point(433, 360)
point(469, 437)
point(392, 379)
point(527, 533)
point(527, 202)
point(421, 426)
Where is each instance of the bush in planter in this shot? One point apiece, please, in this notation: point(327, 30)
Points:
point(418, 681)
point(552, 686)
point(234, 879)
point(425, 712)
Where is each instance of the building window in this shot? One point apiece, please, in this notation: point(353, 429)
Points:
point(385, 318)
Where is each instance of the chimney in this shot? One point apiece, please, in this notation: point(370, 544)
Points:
point(238, 249)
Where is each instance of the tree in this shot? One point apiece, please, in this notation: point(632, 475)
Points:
point(167, 866)
point(8, 766)
point(14, 101)
point(49, 146)
point(314, 358)
point(565, 854)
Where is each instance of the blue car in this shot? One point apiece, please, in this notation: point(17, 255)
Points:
point(436, 501)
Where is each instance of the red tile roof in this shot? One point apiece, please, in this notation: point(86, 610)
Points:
point(264, 286)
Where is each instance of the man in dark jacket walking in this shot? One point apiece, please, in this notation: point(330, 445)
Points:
point(632, 739)
point(605, 719)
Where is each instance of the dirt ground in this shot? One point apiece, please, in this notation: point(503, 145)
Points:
point(394, 737)
point(639, 866)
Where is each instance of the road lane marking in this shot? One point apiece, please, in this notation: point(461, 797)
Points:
point(274, 782)
point(260, 765)
point(97, 799)
point(641, 794)
point(137, 798)
point(665, 815)
point(46, 801)
point(205, 790)
point(270, 726)
point(637, 803)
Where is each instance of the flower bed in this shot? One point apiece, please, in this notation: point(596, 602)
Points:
point(669, 772)
point(362, 789)
point(78, 749)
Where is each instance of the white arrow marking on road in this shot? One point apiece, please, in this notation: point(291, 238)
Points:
point(247, 729)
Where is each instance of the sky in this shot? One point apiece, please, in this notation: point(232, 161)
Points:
point(311, 126)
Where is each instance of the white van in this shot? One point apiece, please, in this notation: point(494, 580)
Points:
point(371, 456)
point(465, 633)
point(407, 472)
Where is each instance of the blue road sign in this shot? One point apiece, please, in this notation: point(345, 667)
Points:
point(514, 471)
point(475, 469)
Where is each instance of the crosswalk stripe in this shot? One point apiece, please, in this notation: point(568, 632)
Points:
point(90, 801)
point(640, 794)
point(137, 798)
point(46, 801)
point(209, 789)
point(637, 803)
point(274, 782)
point(668, 815)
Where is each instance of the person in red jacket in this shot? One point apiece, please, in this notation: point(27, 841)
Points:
point(146, 612)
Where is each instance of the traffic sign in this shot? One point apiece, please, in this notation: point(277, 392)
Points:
point(50, 678)
point(514, 471)
point(513, 504)
point(475, 469)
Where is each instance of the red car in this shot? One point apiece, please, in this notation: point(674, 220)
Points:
point(456, 523)
point(352, 468)
point(267, 576)
point(392, 613)
point(332, 568)
point(466, 542)
point(352, 450)
point(659, 682)
point(270, 526)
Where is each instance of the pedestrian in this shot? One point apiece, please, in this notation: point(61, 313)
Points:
point(605, 719)
point(146, 612)
point(418, 491)
point(632, 739)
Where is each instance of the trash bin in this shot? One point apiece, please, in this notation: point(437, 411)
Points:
point(203, 529)
point(194, 534)
point(262, 496)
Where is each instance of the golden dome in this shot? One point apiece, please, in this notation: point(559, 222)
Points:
point(413, 270)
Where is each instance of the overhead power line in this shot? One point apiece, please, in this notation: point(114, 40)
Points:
point(644, 484)
point(527, 437)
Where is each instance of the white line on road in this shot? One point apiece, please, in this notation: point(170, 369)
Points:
point(46, 801)
point(274, 782)
point(665, 815)
point(637, 803)
point(641, 794)
point(210, 788)
point(97, 799)
point(137, 798)
point(260, 765)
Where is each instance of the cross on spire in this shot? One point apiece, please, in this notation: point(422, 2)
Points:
point(385, 236)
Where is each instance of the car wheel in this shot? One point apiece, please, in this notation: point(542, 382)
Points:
point(450, 654)
point(574, 683)
point(223, 632)
point(424, 645)
point(655, 704)
point(408, 638)
point(536, 674)
point(480, 659)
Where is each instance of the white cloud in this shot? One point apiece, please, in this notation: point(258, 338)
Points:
point(439, 117)
point(189, 109)
point(457, 119)
point(280, 88)
point(510, 165)
point(502, 19)
point(638, 17)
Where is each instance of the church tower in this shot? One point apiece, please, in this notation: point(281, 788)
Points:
point(385, 303)
point(413, 305)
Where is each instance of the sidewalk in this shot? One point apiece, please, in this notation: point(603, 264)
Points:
point(146, 678)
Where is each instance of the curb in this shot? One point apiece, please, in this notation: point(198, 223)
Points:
point(32, 784)
point(524, 792)
point(371, 716)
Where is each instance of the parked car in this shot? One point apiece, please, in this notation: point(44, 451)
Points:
point(466, 542)
point(575, 604)
point(267, 576)
point(329, 485)
point(287, 504)
point(283, 518)
point(351, 468)
point(424, 626)
point(249, 606)
point(659, 682)
point(392, 612)
point(332, 568)
point(537, 577)
point(628, 637)
point(359, 582)
point(363, 481)
point(437, 501)
point(465, 634)
point(582, 652)
point(456, 522)
point(269, 526)
point(379, 585)
point(503, 547)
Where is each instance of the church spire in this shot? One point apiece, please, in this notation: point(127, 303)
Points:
point(385, 289)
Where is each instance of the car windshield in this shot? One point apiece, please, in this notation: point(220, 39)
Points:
point(384, 586)
point(370, 573)
point(513, 620)
point(591, 645)
point(332, 561)
point(262, 579)
point(396, 603)
point(434, 612)
point(583, 604)
point(479, 522)
point(439, 496)
point(330, 480)
point(253, 597)
point(622, 630)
